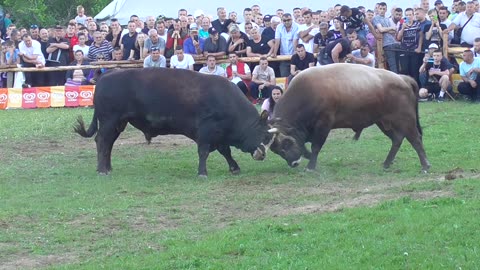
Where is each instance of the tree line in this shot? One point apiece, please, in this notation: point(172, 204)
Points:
point(47, 13)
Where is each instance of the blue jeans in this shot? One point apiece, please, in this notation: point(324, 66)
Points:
point(255, 92)
point(391, 55)
point(284, 69)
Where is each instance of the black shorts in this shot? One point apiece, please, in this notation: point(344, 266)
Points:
point(433, 88)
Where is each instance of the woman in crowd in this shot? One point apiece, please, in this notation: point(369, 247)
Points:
point(78, 76)
point(269, 104)
point(237, 42)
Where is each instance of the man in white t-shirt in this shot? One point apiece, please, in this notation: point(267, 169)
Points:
point(212, 68)
point(470, 21)
point(307, 31)
point(363, 56)
point(31, 52)
point(155, 59)
point(181, 60)
point(263, 79)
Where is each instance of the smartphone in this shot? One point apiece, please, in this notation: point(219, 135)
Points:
point(407, 20)
point(195, 38)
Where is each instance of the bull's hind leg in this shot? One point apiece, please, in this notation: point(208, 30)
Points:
point(397, 140)
point(106, 137)
point(319, 139)
point(415, 139)
point(227, 153)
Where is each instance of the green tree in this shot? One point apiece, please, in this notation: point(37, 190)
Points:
point(49, 12)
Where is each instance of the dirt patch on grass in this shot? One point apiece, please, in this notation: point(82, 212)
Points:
point(38, 147)
point(36, 262)
point(246, 200)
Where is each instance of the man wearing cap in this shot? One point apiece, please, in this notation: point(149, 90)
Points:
point(193, 45)
point(270, 27)
point(438, 74)
point(215, 44)
point(58, 50)
point(438, 4)
point(155, 59)
point(153, 40)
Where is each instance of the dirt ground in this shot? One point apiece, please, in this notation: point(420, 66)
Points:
point(225, 207)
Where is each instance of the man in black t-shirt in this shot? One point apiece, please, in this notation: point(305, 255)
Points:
point(438, 77)
point(58, 55)
point(355, 19)
point(300, 61)
point(337, 50)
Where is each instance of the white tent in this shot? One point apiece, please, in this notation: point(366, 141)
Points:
point(123, 9)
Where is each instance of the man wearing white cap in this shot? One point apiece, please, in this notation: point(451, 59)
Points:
point(193, 45)
point(438, 81)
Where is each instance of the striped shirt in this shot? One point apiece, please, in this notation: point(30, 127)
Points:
point(104, 51)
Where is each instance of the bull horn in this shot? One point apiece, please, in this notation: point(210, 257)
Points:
point(273, 130)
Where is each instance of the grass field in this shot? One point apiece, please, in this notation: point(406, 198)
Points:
point(153, 212)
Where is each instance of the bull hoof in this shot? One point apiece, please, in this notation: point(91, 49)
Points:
point(309, 170)
point(202, 176)
point(106, 173)
point(235, 171)
point(386, 166)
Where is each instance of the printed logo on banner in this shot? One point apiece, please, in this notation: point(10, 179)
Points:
point(43, 96)
point(71, 95)
point(86, 94)
point(15, 98)
point(29, 97)
point(57, 96)
point(3, 97)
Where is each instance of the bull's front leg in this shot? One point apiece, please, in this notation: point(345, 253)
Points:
point(317, 144)
point(203, 152)
point(227, 154)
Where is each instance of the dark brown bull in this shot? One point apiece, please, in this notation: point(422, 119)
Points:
point(210, 110)
point(344, 96)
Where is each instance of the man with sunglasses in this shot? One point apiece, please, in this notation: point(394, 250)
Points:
point(286, 39)
point(35, 32)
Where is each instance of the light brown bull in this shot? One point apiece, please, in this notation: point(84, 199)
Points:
point(344, 96)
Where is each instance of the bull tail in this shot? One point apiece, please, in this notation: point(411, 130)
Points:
point(415, 88)
point(82, 131)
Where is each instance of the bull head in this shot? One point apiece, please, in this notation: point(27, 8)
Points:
point(284, 145)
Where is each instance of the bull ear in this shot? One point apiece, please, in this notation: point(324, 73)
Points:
point(264, 116)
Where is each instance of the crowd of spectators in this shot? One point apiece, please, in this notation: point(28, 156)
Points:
point(412, 40)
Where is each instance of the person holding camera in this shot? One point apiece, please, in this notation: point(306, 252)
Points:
point(438, 76)
point(193, 45)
